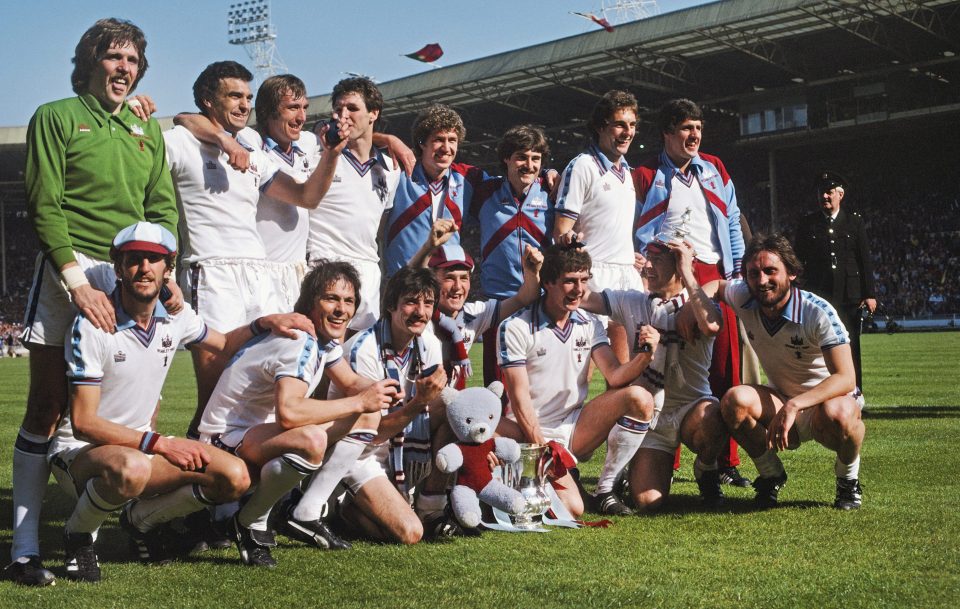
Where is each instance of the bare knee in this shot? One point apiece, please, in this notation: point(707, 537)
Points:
point(230, 481)
point(128, 474)
point(313, 444)
point(639, 403)
point(371, 420)
point(842, 414)
point(736, 405)
point(47, 397)
point(649, 500)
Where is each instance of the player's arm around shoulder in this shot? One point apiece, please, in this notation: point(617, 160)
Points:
point(287, 325)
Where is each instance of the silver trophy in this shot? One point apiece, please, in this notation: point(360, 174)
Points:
point(528, 475)
point(675, 233)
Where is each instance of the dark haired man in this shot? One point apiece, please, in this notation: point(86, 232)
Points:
point(596, 202)
point(691, 192)
point(93, 167)
point(514, 212)
point(395, 348)
point(346, 223)
point(805, 351)
point(103, 453)
point(225, 273)
point(545, 351)
point(261, 411)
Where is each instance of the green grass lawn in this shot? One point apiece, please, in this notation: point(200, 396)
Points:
point(902, 549)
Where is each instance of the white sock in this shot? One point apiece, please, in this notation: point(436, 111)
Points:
point(30, 474)
point(148, 513)
point(277, 476)
point(769, 464)
point(699, 467)
point(338, 462)
point(91, 510)
point(843, 470)
point(622, 443)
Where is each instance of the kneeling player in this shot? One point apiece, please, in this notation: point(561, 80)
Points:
point(545, 351)
point(689, 413)
point(395, 347)
point(261, 411)
point(103, 451)
point(805, 351)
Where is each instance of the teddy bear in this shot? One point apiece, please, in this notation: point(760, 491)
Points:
point(473, 415)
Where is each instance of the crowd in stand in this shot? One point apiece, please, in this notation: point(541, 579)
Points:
point(916, 258)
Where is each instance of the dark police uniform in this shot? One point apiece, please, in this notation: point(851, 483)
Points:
point(837, 264)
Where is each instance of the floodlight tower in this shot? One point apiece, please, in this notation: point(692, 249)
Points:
point(248, 25)
point(622, 11)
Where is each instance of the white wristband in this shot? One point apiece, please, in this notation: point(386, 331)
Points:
point(74, 277)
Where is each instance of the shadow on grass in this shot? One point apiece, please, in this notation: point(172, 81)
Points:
point(113, 545)
point(911, 412)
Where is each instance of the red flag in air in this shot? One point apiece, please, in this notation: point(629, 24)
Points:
point(598, 20)
point(427, 54)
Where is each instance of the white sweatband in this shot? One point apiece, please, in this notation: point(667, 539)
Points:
point(74, 277)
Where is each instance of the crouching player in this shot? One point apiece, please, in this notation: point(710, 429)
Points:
point(395, 347)
point(805, 351)
point(104, 451)
point(261, 411)
point(545, 350)
point(689, 413)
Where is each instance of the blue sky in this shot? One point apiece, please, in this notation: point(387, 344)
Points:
point(318, 41)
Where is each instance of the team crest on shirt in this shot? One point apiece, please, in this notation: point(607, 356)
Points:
point(581, 345)
point(541, 351)
point(336, 179)
point(166, 344)
point(380, 187)
point(119, 356)
point(211, 165)
point(659, 183)
point(797, 345)
point(606, 186)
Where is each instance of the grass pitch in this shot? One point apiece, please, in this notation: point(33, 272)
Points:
point(902, 549)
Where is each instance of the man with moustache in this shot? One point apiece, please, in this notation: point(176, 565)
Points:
point(381, 483)
point(805, 351)
point(691, 191)
point(262, 411)
point(224, 274)
point(93, 167)
point(596, 202)
point(104, 452)
point(458, 323)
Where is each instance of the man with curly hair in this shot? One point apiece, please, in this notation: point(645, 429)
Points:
point(439, 187)
point(93, 167)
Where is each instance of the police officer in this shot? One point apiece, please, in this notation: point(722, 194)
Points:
point(832, 244)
